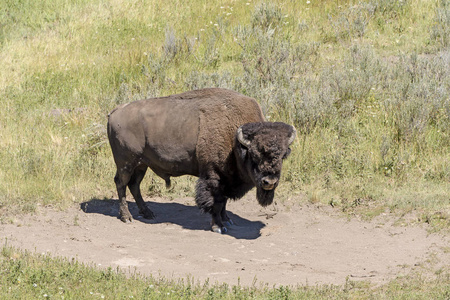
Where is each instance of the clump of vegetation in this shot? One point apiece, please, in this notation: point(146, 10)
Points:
point(441, 28)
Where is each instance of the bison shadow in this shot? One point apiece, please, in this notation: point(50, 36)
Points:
point(186, 216)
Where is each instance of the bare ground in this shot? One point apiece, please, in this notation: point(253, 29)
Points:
point(279, 245)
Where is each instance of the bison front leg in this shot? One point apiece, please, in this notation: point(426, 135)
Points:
point(217, 224)
point(225, 218)
point(209, 199)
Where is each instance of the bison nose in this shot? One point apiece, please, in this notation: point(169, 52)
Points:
point(268, 183)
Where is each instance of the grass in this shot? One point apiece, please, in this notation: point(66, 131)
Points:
point(30, 276)
point(366, 83)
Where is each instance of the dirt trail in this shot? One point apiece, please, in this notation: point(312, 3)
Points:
point(277, 245)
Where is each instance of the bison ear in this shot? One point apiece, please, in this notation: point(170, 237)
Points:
point(292, 136)
point(242, 139)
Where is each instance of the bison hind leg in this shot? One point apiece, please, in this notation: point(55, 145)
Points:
point(121, 179)
point(134, 186)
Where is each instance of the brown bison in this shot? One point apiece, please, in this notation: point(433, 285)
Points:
point(218, 135)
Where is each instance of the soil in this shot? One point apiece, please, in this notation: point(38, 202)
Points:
point(279, 245)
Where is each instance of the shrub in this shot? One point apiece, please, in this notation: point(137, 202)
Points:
point(440, 31)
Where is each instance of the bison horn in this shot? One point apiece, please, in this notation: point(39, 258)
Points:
point(241, 139)
point(293, 135)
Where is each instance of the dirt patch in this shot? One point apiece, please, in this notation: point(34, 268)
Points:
point(278, 245)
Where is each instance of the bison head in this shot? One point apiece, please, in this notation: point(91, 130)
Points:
point(261, 149)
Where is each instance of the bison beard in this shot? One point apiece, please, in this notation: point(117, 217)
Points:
point(265, 197)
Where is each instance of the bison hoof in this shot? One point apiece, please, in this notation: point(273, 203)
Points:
point(217, 229)
point(126, 219)
point(148, 214)
point(228, 223)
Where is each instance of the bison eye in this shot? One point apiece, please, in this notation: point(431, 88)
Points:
point(287, 153)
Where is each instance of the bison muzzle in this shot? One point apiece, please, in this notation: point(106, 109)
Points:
point(218, 135)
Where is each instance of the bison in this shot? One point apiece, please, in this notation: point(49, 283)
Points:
point(216, 134)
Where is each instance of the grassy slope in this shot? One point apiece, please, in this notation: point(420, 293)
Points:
point(366, 84)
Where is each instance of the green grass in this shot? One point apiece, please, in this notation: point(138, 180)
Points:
point(29, 276)
point(366, 84)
